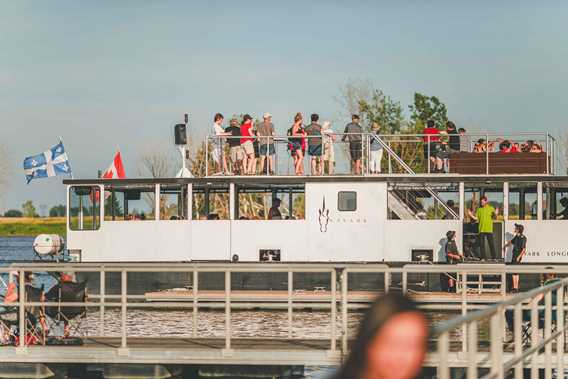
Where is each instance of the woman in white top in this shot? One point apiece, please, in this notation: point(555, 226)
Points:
point(218, 153)
point(328, 149)
point(375, 150)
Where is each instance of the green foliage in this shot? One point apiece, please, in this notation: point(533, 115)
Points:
point(29, 210)
point(383, 110)
point(57, 211)
point(13, 213)
point(428, 108)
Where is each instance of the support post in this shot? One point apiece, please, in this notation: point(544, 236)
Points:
point(497, 345)
point(123, 307)
point(472, 350)
point(534, 338)
point(344, 304)
point(443, 346)
point(290, 294)
point(227, 311)
point(333, 309)
point(22, 310)
point(560, 327)
point(195, 290)
point(547, 334)
point(102, 300)
point(518, 338)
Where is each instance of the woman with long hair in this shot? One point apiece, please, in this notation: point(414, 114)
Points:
point(391, 342)
point(298, 136)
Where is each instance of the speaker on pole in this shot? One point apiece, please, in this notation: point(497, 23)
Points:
point(180, 134)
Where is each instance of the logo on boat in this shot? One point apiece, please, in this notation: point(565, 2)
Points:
point(323, 217)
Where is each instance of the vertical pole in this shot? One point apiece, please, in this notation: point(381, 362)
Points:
point(228, 310)
point(547, 334)
point(463, 307)
point(428, 147)
point(547, 154)
point(290, 292)
point(560, 326)
point(539, 200)
point(22, 311)
point(518, 338)
point(368, 155)
point(443, 346)
point(387, 281)
point(487, 154)
point(462, 202)
point(534, 339)
point(503, 285)
point(472, 350)
point(189, 201)
point(505, 201)
point(497, 345)
point(123, 301)
point(102, 300)
point(389, 155)
point(206, 156)
point(157, 202)
point(404, 281)
point(344, 304)
point(195, 300)
point(333, 308)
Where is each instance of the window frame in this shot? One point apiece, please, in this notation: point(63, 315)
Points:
point(339, 193)
point(95, 215)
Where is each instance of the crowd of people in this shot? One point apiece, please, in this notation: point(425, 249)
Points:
point(252, 148)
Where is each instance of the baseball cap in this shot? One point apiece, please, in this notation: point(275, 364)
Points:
point(266, 115)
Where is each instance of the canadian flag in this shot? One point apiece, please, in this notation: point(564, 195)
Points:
point(116, 169)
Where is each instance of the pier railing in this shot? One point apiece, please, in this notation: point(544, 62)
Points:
point(336, 296)
point(399, 153)
point(540, 308)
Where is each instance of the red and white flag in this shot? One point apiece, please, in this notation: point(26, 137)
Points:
point(116, 169)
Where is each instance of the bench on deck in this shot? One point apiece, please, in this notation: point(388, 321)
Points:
point(499, 163)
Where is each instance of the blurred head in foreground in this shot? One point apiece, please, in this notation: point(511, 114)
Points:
point(391, 342)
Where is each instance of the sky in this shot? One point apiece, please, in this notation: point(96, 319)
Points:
point(107, 74)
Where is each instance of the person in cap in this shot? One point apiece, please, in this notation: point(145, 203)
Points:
point(314, 132)
point(453, 256)
point(354, 134)
point(265, 132)
point(519, 244)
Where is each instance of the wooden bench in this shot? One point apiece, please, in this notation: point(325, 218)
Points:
point(499, 163)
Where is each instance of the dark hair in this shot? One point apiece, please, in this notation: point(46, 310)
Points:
point(484, 198)
point(450, 125)
point(430, 124)
point(314, 117)
point(218, 116)
point(246, 117)
point(355, 117)
point(520, 228)
point(381, 311)
point(461, 130)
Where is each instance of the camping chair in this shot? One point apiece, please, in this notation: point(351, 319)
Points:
point(70, 317)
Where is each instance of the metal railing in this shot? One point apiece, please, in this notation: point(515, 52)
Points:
point(405, 153)
point(542, 310)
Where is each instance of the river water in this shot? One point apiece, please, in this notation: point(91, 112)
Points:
point(179, 323)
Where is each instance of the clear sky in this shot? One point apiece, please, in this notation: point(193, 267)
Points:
point(103, 74)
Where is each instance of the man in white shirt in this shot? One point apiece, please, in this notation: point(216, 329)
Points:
point(218, 152)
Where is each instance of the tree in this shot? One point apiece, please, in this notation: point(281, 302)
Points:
point(4, 169)
point(156, 162)
point(13, 213)
point(352, 94)
point(28, 209)
point(428, 108)
point(57, 211)
point(383, 110)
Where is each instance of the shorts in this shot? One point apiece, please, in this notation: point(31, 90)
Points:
point(236, 153)
point(264, 148)
point(434, 150)
point(314, 150)
point(294, 146)
point(248, 147)
point(356, 150)
point(514, 259)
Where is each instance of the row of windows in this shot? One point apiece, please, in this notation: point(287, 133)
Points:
point(208, 203)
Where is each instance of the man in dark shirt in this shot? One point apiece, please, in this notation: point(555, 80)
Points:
point(236, 152)
point(354, 134)
point(454, 137)
point(274, 212)
point(314, 144)
point(519, 243)
point(453, 256)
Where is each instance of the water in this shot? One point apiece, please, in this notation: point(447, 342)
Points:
point(179, 323)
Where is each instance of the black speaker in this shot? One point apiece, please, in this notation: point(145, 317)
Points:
point(180, 134)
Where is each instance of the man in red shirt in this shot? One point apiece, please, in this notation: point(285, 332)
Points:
point(246, 143)
point(431, 146)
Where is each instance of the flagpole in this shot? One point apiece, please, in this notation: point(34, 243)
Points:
point(70, 170)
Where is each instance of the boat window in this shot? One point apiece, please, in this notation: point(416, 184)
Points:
point(210, 202)
point(84, 207)
point(522, 201)
point(347, 201)
point(475, 191)
point(423, 201)
point(130, 203)
point(173, 202)
point(270, 202)
point(555, 201)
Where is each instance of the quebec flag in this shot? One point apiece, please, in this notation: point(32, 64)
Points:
point(52, 162)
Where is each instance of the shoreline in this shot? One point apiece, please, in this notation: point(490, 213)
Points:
point(31, 227)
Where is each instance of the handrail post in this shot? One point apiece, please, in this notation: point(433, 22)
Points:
point(443, 347)
point(547, 154)
point(390, 162)
point(547, 334)
point(22, 310)
point(518, 338)
point(497, 344)
point(534, 338)
point(463, 307)
point(102, 292)
point(333, 308)
point(487, 154)
point(387, 280)
point(227, 311)
point(404, 281)
point(195, 289)
point(123, 307)
point(472, 350)
point(206, 156)
point(560, 327)
point(428, 157)
point(344, 305)
point(290, 300)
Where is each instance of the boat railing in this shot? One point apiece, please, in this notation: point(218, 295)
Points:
point(390, 154)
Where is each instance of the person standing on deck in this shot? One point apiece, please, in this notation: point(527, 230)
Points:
point(484, 216)
point(354, 134)
point(266, 144)
point(328, 149)
point(315, 145)
point(519, 243)
point(376, 150)
point(218, 153)
point(453, 256)
point(247, 137)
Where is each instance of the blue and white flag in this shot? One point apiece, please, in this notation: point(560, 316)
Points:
point(52, 162)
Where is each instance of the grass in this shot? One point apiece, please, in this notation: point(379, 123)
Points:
point(31, 227)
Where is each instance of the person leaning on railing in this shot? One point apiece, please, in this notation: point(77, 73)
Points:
point(431, 146)
point(375, 149)
point(328, 148)
point(354, 134)
point(247, 138)
point(218, 154)
point(266, 141)
point(315, 145)
point(236, 153)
